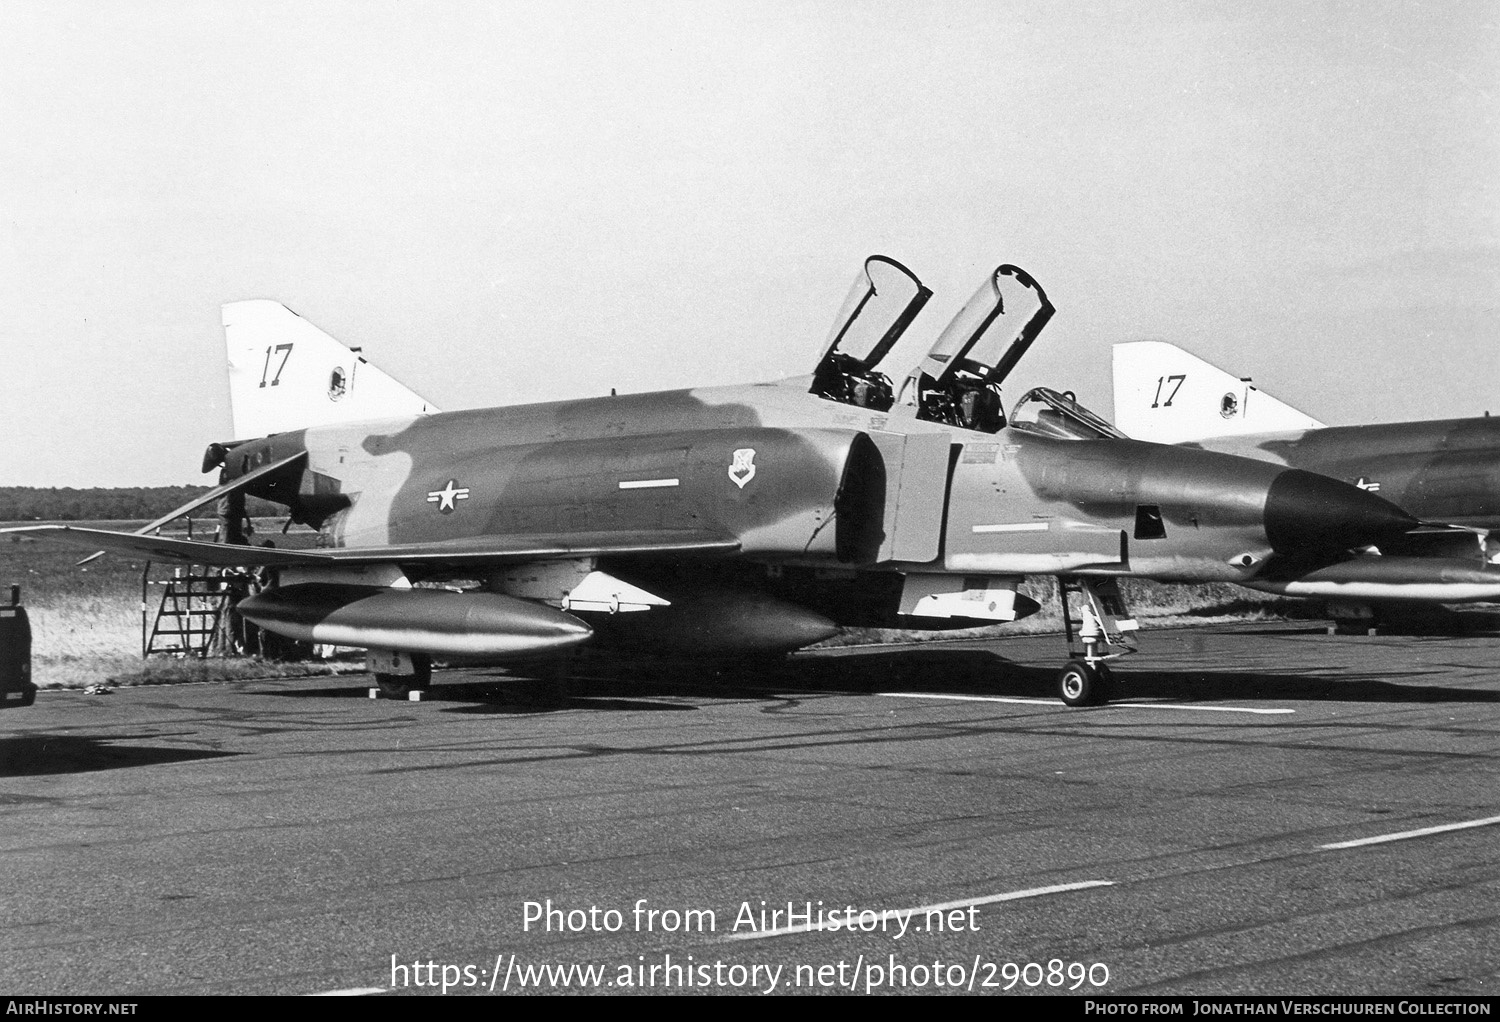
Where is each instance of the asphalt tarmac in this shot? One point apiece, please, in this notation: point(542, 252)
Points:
point(1265, 810)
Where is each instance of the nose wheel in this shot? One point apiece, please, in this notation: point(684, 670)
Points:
point(1084, 684)
point(1105, 631)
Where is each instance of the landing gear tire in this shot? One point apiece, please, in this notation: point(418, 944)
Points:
point(399, 686)
point(1079, 684)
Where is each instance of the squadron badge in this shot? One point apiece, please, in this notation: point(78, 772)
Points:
point(743, 468)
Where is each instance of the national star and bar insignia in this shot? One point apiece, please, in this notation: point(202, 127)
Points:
point(448, 497)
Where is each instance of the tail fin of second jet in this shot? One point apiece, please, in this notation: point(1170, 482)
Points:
point(1167, 395)
point(285, 374)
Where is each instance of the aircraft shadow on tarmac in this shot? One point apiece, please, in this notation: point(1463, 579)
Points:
point(978, 672)
point(610, 684)
point(41, 754)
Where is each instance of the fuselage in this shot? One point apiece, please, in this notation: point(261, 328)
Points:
point(799, 479)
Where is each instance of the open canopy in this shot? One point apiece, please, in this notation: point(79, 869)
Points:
point(885, 298)
point(993, 329)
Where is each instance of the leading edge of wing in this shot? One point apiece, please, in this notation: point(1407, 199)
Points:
point(475, 550)
point(543, 546)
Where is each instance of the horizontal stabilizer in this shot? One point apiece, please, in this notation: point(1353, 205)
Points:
point(239, 483)
point(476, 551)
point(1169, 396)
point(212, 495)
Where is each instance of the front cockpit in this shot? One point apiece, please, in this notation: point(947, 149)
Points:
point(845, 379)
point(958, 383)
point(885, 298)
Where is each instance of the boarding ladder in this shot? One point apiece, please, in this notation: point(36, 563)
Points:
point(190, 617)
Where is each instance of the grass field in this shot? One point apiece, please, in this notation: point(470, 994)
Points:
point(86, 620)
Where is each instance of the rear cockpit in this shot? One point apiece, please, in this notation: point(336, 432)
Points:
point(885, 298)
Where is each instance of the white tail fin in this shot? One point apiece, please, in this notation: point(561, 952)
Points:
point(1166, 395)
point(285, 373)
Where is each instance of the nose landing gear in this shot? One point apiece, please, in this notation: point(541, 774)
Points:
point(1103, 633)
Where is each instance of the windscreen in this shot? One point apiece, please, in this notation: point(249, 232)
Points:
point(1043, 410)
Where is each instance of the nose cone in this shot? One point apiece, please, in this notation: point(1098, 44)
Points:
point(1309, 512)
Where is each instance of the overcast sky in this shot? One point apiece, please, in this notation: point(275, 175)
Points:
point(507, 202)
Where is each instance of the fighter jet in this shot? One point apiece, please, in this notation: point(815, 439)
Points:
point(735, 519)
point(1445, 470)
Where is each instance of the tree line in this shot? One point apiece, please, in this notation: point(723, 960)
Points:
point(125, 503)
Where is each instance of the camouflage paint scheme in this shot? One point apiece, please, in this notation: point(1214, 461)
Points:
point(1441, 470)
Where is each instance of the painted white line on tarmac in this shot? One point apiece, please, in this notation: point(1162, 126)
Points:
point(972, 699)
point(1058, 703)
point(899, 914)
point(352, 992)
point(1405, 834)
point(1194, 706)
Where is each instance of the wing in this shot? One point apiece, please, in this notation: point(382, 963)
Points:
point(479, 550)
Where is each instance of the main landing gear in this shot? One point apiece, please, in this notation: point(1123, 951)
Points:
point(1104, 633)
point(399, 674)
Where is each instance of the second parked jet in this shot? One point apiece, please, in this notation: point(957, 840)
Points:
point(1445, 470)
